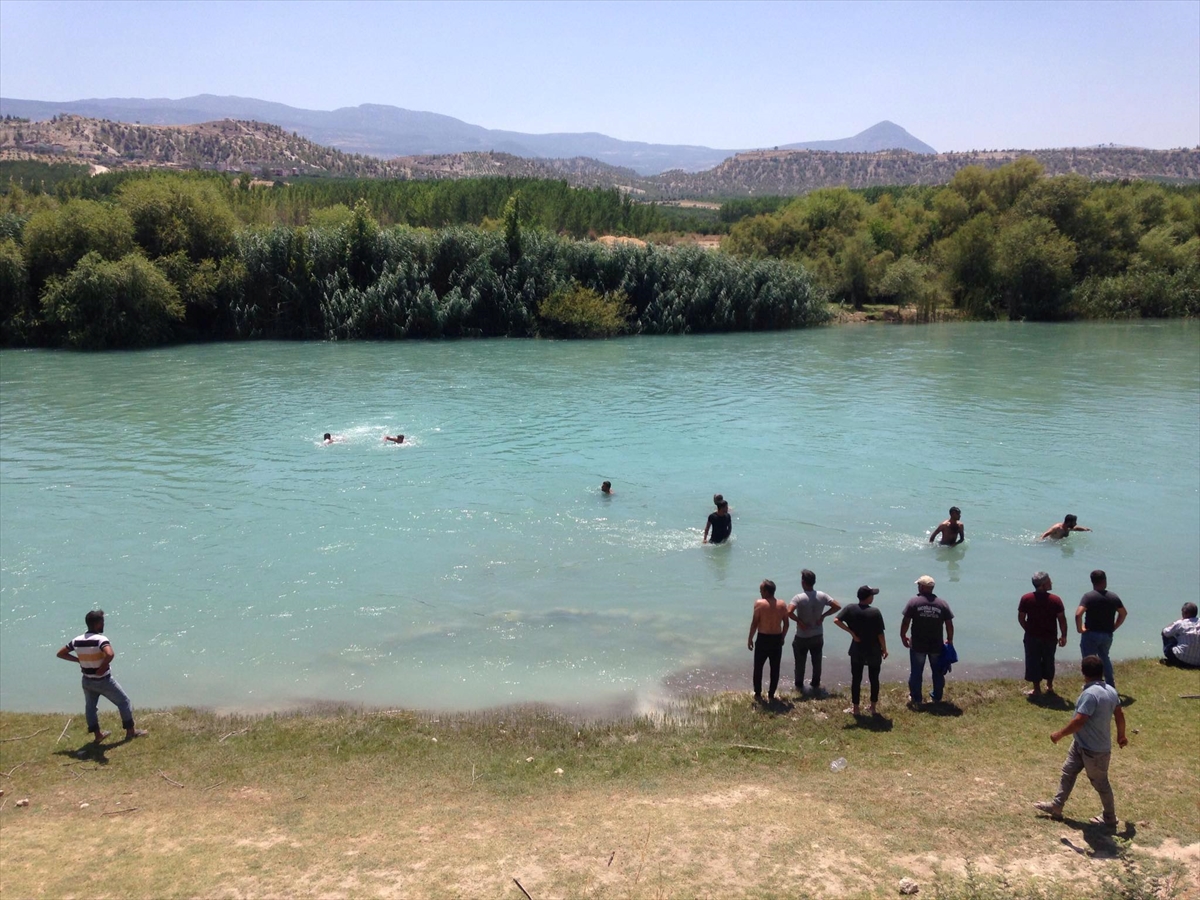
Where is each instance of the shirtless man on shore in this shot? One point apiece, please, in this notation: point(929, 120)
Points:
point(1061, 529)
point(951, 531)
point(770, 620)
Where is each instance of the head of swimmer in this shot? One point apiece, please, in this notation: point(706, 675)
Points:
point(606, 487)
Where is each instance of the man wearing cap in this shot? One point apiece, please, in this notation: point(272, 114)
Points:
point(926, 612)
point(868, 646)
point(1044, 621)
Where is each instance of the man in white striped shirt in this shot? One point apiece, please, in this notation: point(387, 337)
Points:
point(94, 653)
point(1181, 639)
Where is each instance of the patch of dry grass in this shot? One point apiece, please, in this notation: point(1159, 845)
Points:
point(351, 803)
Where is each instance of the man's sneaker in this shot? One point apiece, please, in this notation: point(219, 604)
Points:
point(1046, 806)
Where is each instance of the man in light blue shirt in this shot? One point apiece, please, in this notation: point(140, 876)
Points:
point(1091, 750)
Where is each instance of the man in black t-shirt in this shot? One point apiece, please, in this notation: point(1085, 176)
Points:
point(720, 524)
point(926, 612)
point(1100, 613)
point(864, 624)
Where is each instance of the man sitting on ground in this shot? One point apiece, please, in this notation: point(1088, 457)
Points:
point(1181, 639)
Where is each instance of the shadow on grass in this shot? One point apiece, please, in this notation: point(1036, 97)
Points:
point(940, 708)
point(778, 706)
point(1101, 840)
point(93, 751)
point(876, 722)
point(1050, 701)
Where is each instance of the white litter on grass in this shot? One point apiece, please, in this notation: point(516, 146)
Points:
point(558, 771)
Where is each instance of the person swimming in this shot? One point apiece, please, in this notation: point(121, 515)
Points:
point(398, 439)
point(606, 488)
point(1062, 529)
point(329, 439)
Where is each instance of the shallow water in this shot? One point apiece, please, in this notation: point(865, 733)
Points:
point(245, 565)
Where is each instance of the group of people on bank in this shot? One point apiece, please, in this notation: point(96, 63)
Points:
point(1042, 617)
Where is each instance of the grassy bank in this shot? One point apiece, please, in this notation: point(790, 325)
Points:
point(718, 798)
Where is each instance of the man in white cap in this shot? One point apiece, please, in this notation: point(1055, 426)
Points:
point(926, 612)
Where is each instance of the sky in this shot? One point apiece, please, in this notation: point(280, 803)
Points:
point(729, 75)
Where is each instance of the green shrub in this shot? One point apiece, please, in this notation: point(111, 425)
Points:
point(55, 240)
point(104, 305)
point(580, 312)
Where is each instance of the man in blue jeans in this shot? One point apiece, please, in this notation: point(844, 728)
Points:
point(926, 612)
point(1100, 613)
point(94, 653)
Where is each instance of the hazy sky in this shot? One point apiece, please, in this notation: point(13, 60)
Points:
point(729, 75)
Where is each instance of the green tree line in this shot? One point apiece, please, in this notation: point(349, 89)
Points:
point(141, 261)
point(1000, 243)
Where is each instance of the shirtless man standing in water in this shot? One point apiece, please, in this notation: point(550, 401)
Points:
point(951, 531)
point(770, 620)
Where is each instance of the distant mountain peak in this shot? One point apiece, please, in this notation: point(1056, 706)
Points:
point(885, 135)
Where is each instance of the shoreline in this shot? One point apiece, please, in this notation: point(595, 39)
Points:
point(674, 692)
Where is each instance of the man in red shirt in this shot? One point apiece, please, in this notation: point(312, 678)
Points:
point(1044, 620)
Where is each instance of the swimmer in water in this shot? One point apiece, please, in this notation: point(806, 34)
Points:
point(606, 488)
point(951, 531)
point(329, 439)
point(398, 439)
point(1062, 529)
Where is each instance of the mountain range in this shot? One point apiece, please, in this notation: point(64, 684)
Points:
point(275, 154)
point(389, 131)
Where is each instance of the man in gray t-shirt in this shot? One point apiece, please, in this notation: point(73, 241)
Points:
point(1097, 706)
point(808, 610)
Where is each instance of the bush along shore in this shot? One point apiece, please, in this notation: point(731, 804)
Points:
point(165, 259)
point(1005, 243)
point(711, 796)
point(137, 259)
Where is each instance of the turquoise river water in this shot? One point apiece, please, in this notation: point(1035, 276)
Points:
point(244, 565)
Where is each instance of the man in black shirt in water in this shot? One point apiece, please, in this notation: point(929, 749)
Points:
point(720, 524)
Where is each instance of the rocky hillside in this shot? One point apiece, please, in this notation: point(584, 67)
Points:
point(268, 150)
point(233, 145)
point(788, 172)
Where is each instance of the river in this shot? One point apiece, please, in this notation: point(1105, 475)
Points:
point(245, 565)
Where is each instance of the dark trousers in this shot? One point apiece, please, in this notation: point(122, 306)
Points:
point(872, 662)
point(1169, 645)
point(767, 648)
point(801, 648)
point(1039, 659)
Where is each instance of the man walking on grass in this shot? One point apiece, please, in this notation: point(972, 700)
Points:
point(926, 612)
point(1091, 750)
point(1044, 621)
point(94, 654)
